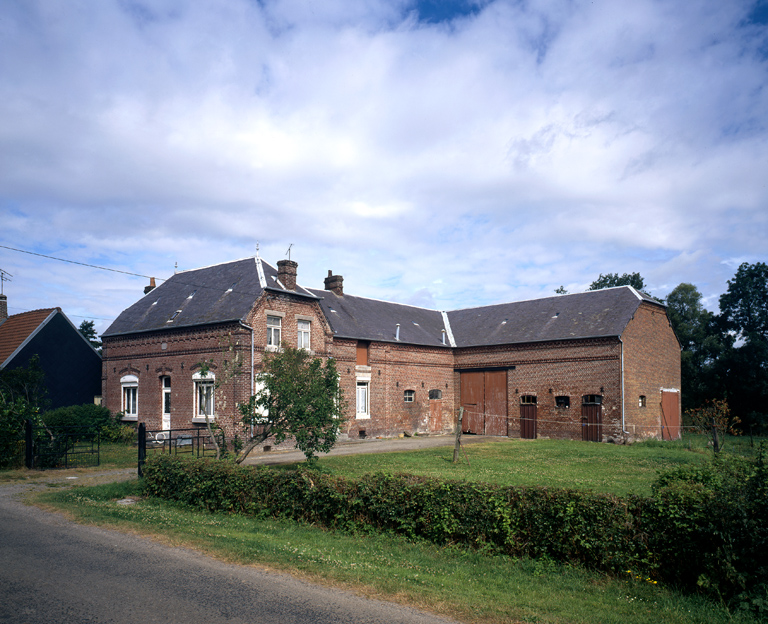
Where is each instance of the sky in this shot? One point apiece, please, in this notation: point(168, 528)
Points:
point(446, 154)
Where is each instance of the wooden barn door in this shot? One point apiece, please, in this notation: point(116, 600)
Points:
point(591, 418)
point(670, 415)
point(484, 399)
point(473, 402)
point(496, 403)
point(528, 417)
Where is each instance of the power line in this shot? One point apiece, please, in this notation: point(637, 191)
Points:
point(92, 266)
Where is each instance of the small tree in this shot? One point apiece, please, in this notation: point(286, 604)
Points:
point(88, 330)
point(610, 280)
point(299, 397)
point(714, 419)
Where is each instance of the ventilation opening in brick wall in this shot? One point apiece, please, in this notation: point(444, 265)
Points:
point(361, 433)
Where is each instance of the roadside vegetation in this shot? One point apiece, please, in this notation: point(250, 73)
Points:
point(466, 583)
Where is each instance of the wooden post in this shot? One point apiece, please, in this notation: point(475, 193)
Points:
point(142, 447)
point(457, 446)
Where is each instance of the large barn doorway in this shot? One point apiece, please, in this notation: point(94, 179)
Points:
point(670, 414)
point(591, 418)
point(484, 399)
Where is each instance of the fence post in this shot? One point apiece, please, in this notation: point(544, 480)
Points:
point(142, 447)
point(29, 456)
point(457, 446)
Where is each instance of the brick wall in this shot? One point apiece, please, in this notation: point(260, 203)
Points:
point(546, 370)
point(651, 363)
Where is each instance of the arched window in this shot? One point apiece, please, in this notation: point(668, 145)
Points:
point(130, 402)
point(204, 396)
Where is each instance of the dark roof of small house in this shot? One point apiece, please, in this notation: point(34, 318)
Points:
point(18, 327)
point(592, 314)
point(215, 294)
point(370, 319)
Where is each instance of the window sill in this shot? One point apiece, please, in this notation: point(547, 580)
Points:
point(271, 348)
point(363, 417)
point(130, 418)
point(201, 420)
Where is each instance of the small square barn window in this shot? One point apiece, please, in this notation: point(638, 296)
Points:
point(592, 399)
point(562, 401)
point(435, 394)
point(642, 400)
point(409, 396)
point(528, 399)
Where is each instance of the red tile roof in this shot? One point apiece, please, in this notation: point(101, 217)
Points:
point(18, 327)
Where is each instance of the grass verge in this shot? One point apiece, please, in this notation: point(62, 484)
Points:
point(466, 585)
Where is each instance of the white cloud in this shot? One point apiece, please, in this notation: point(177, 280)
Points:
point(493, 157)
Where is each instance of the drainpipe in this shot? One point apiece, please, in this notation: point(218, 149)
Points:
point(623, 430)
point(248, 327)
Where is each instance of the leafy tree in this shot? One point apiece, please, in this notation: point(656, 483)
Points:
point(25, 382)
point(609, 280)
point(714, 419)
point(299, 397)
point(744, 306)
point(561, 291)
point(742, 369)
point(14, 412)
point(87, 329)
point(700, 341)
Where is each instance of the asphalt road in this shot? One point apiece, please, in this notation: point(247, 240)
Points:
point(54, 571)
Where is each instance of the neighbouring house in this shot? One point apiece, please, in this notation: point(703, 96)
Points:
point(71, 365)
point(601, 365)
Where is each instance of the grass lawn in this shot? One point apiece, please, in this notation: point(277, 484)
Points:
point(458, 583)
point(553, 463)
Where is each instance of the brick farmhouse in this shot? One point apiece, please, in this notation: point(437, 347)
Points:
point(601, 365)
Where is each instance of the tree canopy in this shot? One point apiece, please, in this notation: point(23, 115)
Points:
point(88, 330)
point(609, 280)
point(299, 397)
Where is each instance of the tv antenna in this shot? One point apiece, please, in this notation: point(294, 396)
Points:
point(4, 277)
point(288, 253)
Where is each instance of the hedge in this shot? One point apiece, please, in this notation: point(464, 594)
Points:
point(689, 533)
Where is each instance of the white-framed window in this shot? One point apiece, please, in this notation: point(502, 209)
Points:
point(274, 328)
point(363, 400)
point(642, 401)
point(130, 391)
point(409, 396)
point(303, 331)
point(166, 382)
point(204, 397)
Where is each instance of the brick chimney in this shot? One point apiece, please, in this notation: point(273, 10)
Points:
point(286, 273)
point(151, 287)
point(334, 283)
point(3, 308)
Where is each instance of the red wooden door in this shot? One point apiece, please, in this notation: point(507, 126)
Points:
point(496, 403)
point(670, 415)
point(473, 402)
point(528, 417)
point(591, 422)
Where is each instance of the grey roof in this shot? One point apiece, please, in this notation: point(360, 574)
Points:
point(214, 294)
point(593, 314)
point(371, 319)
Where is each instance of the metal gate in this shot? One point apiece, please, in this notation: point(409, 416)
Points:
point(591, 418)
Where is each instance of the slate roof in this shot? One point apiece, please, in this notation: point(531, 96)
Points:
point(215, 294)
point(371, 319)
point(17, 328)
point(593, 314)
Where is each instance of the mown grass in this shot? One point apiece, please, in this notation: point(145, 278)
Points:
point(464, 584)
point(553, 463)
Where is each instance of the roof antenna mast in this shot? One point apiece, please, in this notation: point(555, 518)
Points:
point(4, 277)
point(289, 251)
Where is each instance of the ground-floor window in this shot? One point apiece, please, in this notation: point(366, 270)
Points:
point(204, 397)
point(363, 400)
point(130, 390)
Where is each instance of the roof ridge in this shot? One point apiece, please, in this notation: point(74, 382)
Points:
point(346, 296)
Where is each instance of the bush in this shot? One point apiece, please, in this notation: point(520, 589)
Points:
point(703, 529)
point(94, 419)
point(13, 415)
